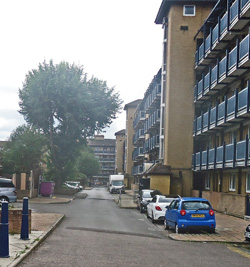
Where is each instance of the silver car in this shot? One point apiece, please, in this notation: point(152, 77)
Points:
point(7, 190)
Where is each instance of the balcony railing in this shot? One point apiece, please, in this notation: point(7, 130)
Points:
point(236, 62)
point(231, 109)
point(153, 121)
point(238, 11)
point(137, 170)
point(153, 97)
point(140, 117)
point(151, 143)
point(138, 136)
point(223, 157)
point(137, 153)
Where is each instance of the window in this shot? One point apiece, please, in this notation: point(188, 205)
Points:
point(248, 183)
point(207, 182)
point(232, 181)
point(189, 10)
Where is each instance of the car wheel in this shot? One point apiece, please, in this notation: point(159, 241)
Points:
point(166, 227)
point(141, 211)
point(153, 220)
point(177, 230)
point(211, 231)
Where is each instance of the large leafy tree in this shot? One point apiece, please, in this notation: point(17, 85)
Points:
point(68, 107)
point(24, 150)
point(87, 163)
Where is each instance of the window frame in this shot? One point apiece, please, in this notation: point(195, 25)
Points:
point(248, 182)
point(189, 15)
point(208, 182)
point(232, 182)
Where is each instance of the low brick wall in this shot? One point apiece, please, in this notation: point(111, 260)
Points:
point(25, 193)
point(15, 220)
point(233, 204)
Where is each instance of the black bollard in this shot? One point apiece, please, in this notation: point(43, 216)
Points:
point(25, 220)
point(4, 231)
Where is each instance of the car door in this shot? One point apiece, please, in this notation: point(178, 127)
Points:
point(172, 213)
point(175, 212)
point(150, 206)
point(168, 215)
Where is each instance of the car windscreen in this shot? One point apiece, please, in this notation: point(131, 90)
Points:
point(146, 194)
point(165, 200)
point(117, 183)
point(195, 205)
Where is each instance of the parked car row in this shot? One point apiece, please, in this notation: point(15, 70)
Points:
point(73, 185)
point(178, 213)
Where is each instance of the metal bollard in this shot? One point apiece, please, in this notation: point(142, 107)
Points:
point(25, 220)
point(4, 231)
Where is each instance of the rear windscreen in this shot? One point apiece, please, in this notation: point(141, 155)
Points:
point(6, 183)
point(195, 205)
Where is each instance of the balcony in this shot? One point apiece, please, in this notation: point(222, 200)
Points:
point(139, 119)
point(153, 97)
point(233, 109)
point(138, 136)
point(137, 170)
point(151, 144)
point(227, 156)
point(233, 20)
point(234, 64)
point(137, 153)
point(152, 122)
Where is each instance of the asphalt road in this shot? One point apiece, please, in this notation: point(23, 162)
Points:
point(96, 232)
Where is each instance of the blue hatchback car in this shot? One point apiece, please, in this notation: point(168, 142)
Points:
point(190, 213)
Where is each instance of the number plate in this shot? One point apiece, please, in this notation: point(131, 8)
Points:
point(198, 215)
point(247, 234)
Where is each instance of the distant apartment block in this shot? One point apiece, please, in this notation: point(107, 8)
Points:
point(104, 150)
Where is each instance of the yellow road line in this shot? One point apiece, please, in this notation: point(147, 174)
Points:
point(240, 251)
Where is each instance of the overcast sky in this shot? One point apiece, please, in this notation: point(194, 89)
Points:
point(116, 41)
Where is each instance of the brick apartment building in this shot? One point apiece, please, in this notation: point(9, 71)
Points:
point(104, 150)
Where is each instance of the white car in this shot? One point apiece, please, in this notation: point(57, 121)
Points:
point(157, 207)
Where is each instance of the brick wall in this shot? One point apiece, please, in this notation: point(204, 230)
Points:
point(15, 221)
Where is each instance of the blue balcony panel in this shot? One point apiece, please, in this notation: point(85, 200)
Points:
point(223, 25)
point(212, 121)
point(208, 44)
point(204, 160)
point(215, 35)
point(234, 13)
point(229, 155)
point(197, 160)
point(222, 67)
point(221, 113)
point(241, 153)
point(205, 122)
point(231, 108)
point(243, 103)
point(244, 8)
point(211, 158)
point(244, 52)
point(219, 157)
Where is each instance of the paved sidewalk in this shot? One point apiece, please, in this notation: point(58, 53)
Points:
point(229, 229)
point(42, 224)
